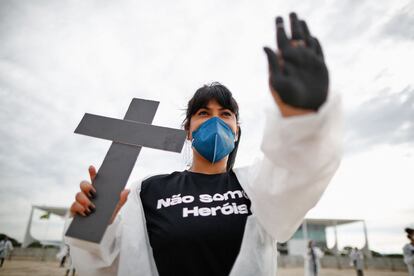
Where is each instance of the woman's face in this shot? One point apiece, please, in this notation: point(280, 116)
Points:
point(213, 109)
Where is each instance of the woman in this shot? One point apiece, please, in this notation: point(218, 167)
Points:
point(216, 220)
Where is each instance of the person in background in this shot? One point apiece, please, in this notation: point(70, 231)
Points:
point(313, 263)
point(408, 250)
point(357, 261)
point(5, 248)
point(70, 266)
point(61, 255)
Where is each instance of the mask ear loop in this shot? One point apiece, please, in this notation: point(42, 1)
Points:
point(188, 154)
point(232, 156)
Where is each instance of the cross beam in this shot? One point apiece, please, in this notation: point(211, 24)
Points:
point(128, 136)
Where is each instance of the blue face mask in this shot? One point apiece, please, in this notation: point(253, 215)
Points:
point(213, 139)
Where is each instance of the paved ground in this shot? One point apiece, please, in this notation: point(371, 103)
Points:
point(22, 268)
point(335, 272)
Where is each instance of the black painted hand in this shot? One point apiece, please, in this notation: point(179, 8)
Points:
point(298, 73)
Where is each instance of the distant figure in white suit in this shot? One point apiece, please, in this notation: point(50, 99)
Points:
point(312, 263)
point(5, 248)
point(357, 261)
point(408, 250)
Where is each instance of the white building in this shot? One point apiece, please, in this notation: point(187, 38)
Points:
point(311, 229)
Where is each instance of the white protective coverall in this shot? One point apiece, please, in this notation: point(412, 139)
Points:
point(357, 259)
point(310, 262)
point(301, 155)
point(6, 247)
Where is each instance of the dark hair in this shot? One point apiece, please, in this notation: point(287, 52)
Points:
point(223, 96)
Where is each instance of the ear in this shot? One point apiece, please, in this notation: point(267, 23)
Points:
point(237, 133)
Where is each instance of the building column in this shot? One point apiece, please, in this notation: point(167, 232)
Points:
point(305, 230)
point(306, 241)
point(365, 249)
point(335, 249)
point(28, 239)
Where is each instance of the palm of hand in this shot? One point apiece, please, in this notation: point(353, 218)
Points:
point(298, 74)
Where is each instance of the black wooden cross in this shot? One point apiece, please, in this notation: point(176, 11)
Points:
point(128, 136)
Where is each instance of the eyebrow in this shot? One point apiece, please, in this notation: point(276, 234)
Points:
point(222, 108)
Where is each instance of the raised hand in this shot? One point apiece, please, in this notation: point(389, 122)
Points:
point(297, 73)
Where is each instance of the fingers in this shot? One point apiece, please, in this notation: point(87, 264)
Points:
point(306, 32)
point(123, 197)
point(298, 35)
point(282, 39)
point(272, 60)
point(305, 28)
point(82, 204)
point(87, 189)
point(77, 208)
point(82, 199)
point(299, 30)
point(311, 42)
point(319, 51)
point(296, 27)
point(92, 172)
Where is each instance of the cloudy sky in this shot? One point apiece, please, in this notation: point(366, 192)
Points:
point(60, 59)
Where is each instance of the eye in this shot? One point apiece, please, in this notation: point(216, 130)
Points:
point(202, 113)
point(227, 113)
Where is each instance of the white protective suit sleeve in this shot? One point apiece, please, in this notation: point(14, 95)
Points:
point(124, 247)
point(301, 155)
point(136, 256)
point(92, 259)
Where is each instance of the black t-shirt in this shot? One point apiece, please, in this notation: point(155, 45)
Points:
point(195, 221)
